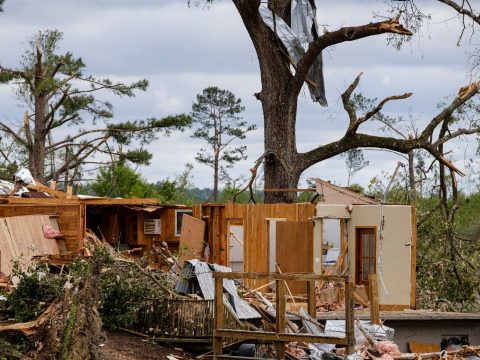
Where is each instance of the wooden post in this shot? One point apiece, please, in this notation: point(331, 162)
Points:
point(53, 184)
point(69, 191)
point(218, 340)
point(312, 308)
point(373, 297)
point(281, 305)
point(349, 317)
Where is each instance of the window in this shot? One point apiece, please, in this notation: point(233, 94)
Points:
point(365, 253)
point(178, 220)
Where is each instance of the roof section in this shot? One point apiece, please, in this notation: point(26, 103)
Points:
point(333, 194)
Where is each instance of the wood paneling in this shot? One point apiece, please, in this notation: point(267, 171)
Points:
point(255, 224)
point(191, 239)
point(69, 219)
point(294, 250)
point(22, 237)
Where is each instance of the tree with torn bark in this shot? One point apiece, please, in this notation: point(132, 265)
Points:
point(283, 76)
point(60, 99)
point(216, 116)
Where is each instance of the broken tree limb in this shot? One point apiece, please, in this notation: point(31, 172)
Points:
point(30, 327)
point(249, 185)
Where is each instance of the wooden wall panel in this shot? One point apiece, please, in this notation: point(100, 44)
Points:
point(69, 219)
point(191, 239)
point(294, 250)
point(254, 218)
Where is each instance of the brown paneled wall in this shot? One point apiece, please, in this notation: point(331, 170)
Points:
point(254, 218)
point(70, 219)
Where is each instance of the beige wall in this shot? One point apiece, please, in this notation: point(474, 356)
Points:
point(395, 253)
point(396, 256)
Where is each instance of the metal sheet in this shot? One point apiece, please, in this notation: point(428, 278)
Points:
point(205, 280)
point(336, 328)
point(144, 208)
point(242, 309)
point(294, 48)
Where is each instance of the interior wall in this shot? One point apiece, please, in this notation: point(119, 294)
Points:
point(395, 250)
point(256, 235)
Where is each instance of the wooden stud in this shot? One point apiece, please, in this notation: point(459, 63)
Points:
point(349, 317)
point(69, 191)
point(281, 305)
point(53, 184)
point(373, 297)
point(218, 340)
point(312, 307)
point(413, 260)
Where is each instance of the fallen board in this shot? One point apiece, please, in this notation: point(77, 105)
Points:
point(21, 238)
point(191, 239)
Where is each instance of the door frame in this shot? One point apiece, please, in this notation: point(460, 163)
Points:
point(359, 253)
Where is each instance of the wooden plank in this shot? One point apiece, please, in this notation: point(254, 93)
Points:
point(349, 317)
point(373, 297)
point(294, 250)
point(132, 201)
point(271, 336)
point(280, 316)
point(38, 186)
point(6, 245)
point(191, 239)
point(219, 308)
point(413, 261)
point(312, 309)
point(419, 347)
point(277, 276)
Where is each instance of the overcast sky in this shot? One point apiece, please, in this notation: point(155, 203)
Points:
point(182, 50)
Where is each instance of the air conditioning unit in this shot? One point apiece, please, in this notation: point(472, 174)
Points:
point(152, 227)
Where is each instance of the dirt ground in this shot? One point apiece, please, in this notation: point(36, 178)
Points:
point(120, 345)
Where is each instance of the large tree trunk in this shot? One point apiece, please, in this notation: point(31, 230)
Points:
point(279, 112)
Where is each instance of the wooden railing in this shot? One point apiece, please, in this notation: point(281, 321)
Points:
point(280, 337)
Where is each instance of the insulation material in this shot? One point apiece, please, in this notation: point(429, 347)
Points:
point(25, 176)
point(303, 14)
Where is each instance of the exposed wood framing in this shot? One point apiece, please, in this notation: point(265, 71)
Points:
point(413, 261)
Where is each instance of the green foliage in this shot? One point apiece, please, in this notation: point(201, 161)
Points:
point(357, 188)
point(35, 291)
point(120, 180)
point(447, 255)
point(56, 83)
point(124, 292)
point(355, 161)
point(216, 120)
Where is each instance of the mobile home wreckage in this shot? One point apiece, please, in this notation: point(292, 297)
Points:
point(280, 273)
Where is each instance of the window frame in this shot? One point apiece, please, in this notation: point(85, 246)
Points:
point(178, 231)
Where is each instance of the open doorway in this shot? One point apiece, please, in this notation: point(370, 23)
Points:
point(235, 245)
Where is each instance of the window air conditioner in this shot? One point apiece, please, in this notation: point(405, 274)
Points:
point(152, 227)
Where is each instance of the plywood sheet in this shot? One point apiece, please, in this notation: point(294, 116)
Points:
point(21, 237)
point(422, 348)
point(191, 238)
point(294, 250)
